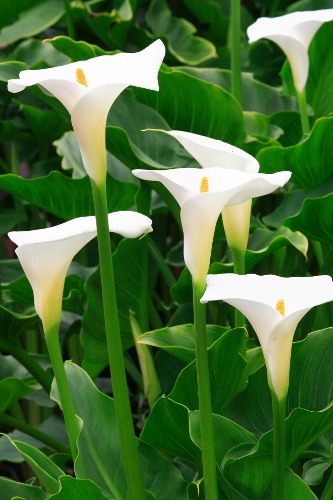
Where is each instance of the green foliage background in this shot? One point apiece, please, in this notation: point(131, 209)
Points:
point(43, 183)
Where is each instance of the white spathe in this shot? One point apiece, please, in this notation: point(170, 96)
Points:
point(45, 255)
point(89, 88)
point(215, 153)
point(293, 33)
point(274, 306)
point(200, 210)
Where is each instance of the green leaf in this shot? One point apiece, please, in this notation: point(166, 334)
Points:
point(257, 96)
point(227, 434)
point(67, 147)
point(179, 340)
point(76, 50)
point(67, 198)
point(77, 489)
point(130, 267)
point(212, 111)
point(11, 69)
point(32, 21)
point(263, 242)
point(292, 202)
point(99, 456)
point(46, 470)
point(14, 324)
point(319, 85)
point(181, 43)
point(308, 402)
point(167, 429)
point(253, 478)
point(226, 359)
point(10, 489)
point(309, 161)
point(12, 389)
point(314, 219)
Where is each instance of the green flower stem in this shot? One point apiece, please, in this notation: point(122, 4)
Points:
point(205, 404)
point(238, 257)
point(72, 426)
point(301, 97)
point(235, 40)
point(19, 424)
point(42, 376)
point(128, 441)
point(279, 419)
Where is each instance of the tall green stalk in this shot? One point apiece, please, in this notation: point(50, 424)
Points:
point(301, 97)
point(129, 445)
point(235, 50)
point(72, 426)
point(205, 404)
point(238, 257)
point(279, 419)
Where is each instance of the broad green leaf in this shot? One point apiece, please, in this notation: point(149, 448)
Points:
point(292, 203)
point(99, 456)
point(167, 429)
point(44, 125)
point(67, 198)
point(10, 488)
point(67, 147)
point(130, 266)
point(11, 69)
point(36, 53)
point(319, 85)
point(263, 242)
point(226, 359)
point(14, 324)
point(179, 340)
point(211, 111)
point(179, 33)
point(309, 398)
point(257, 96)
point(32, 21)
point(77, 489)
point(227, 434)
point(12, 389)
point(53, 427)
point(46, 470)
point(76, 50)
point(128, 139)
point(315, 219)
point(213, 17)
point(253, 476)
point(309, 161)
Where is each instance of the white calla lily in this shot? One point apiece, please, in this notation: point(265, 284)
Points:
point(214, 153)
point(45, 255)
point(293, 33)
point(274, 306)
point(89, 88)
point(202, 196)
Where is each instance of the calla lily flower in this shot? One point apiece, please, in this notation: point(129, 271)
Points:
point(274, 306)
point(202, 196)
point(45, 255)
point(293, 34)
point(89, 88)
point(214, 153)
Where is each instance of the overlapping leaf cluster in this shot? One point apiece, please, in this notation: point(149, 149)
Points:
point(43, 182)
